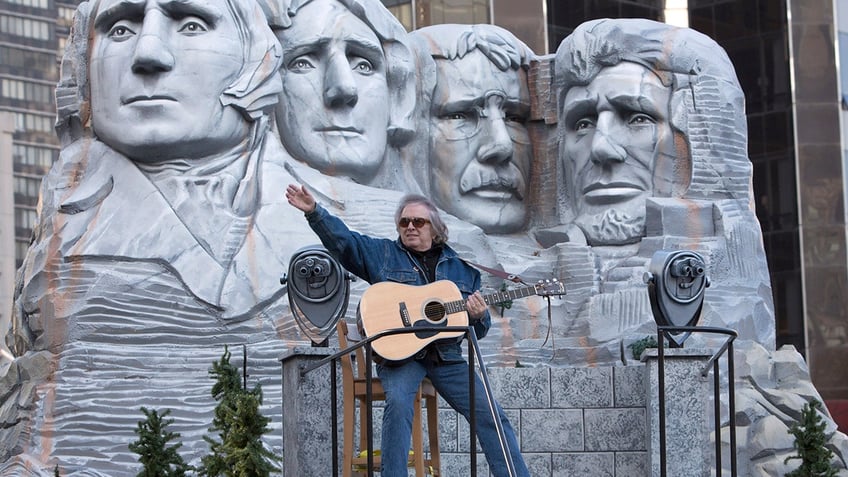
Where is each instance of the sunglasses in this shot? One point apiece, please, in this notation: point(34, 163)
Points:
point(417, 222)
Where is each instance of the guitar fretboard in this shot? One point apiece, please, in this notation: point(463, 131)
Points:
point(493, 298)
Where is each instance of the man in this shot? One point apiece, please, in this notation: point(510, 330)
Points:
point(627, 92)
point(479, 150)
point(348, 89)
point(420, 255)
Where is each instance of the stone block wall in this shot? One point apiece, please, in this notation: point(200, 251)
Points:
point(569, 421)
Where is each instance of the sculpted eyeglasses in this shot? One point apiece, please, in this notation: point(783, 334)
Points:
point(417, 222)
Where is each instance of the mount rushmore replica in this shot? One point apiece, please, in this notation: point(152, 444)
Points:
point(163, 227)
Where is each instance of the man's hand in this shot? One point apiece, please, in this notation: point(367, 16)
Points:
point(300, 198)
point(476, 306)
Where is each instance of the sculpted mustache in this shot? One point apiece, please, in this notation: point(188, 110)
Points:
point(478, 178)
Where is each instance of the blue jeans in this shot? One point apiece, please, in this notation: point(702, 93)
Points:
point(451, 381)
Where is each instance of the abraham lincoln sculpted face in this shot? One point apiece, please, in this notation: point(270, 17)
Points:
point(616, 130)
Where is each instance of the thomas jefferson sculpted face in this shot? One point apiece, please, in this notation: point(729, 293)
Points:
point(158, 69)
point(334, 110)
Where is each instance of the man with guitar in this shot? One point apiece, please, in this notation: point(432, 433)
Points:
point(419, 256)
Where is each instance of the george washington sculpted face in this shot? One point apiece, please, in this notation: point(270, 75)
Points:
point(158, 69)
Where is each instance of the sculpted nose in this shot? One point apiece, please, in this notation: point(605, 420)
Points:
point(605, 149)
point(339, 84)
point(152, 54)
point(497, 144)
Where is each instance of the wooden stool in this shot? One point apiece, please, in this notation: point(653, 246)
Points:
point(354, 390)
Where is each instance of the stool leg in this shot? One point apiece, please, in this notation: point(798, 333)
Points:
point(418, 437)
point(347, 437)
point(433, 433)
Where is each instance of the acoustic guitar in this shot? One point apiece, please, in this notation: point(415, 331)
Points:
point(388, 305)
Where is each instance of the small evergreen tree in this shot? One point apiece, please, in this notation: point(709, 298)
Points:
point(811, 444)
point(238, 451)
point(639, 346)
point(225, 389)
point(157, 457)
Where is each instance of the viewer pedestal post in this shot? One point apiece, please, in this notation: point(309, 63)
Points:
point(307, 423)
point(688, 397)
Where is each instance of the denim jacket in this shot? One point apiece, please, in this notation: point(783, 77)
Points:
point(378, 260)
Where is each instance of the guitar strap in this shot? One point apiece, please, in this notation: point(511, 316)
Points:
point(498, 273)
point(517, 279)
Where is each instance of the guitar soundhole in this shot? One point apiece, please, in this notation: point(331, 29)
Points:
point(434, 311)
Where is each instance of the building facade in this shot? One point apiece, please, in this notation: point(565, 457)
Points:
point(32, 34)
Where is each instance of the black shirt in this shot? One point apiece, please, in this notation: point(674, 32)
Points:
point(428, 260)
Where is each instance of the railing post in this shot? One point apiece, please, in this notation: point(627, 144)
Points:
point(298, 374)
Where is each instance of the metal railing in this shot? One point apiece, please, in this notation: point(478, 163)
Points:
point(475, 356)
point(664, 332)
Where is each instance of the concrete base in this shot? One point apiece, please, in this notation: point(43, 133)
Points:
point(688, 396)
point(307, 417)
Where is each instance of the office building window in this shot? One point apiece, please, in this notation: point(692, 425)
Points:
point(34, 123)
point(25, 219)
point(32, 159)
point(66, 16)
point(436, 12)
point(21, 247)
point(18, 58)
point(26, 190)
point(402, 10)
point(31, 3)
point(25, 27)
point(564, 17)
point(26, 91)
point(63, 43)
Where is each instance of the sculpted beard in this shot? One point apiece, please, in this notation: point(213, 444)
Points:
point(612, 227)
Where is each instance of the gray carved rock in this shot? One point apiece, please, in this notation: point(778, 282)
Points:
point(653, 147)
point(771, 390)
point(161, 238)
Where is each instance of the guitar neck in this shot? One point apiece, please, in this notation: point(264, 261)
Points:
point(493, 298)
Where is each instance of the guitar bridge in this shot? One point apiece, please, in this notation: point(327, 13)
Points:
point(404, 315)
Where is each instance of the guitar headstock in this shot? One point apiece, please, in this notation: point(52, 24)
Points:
point(552, 287)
